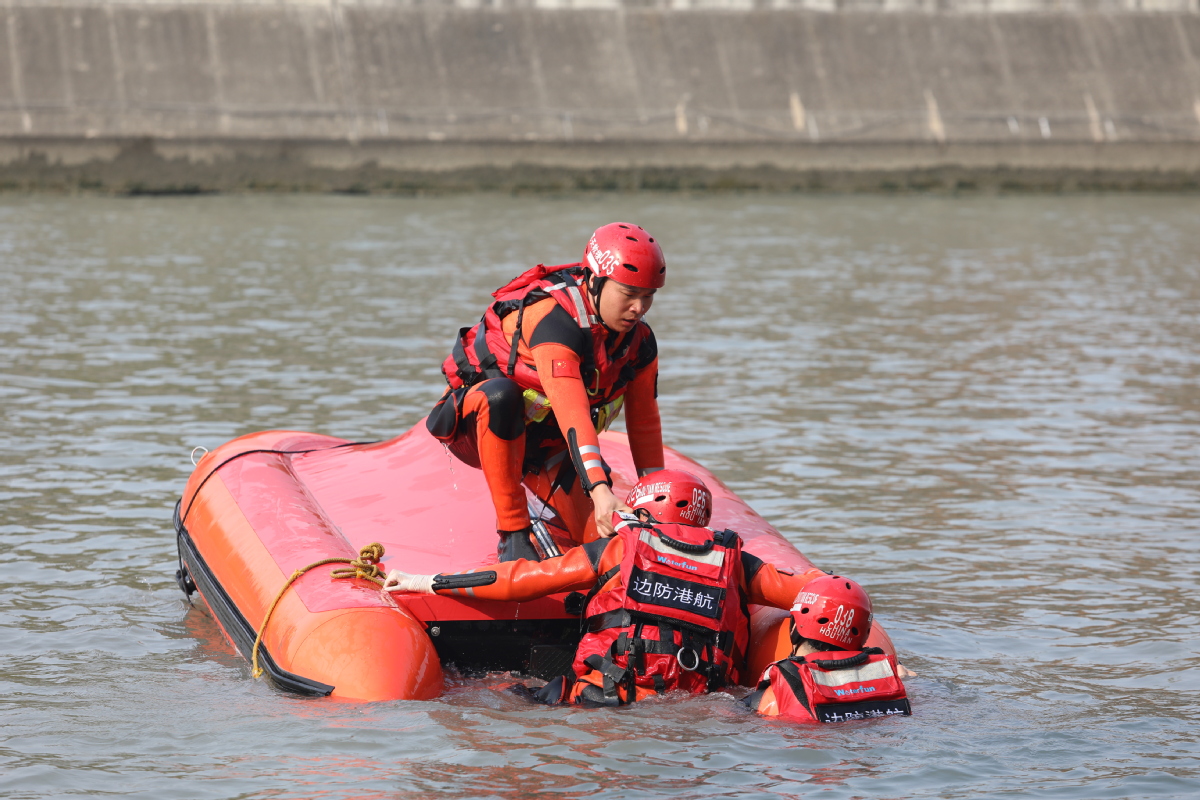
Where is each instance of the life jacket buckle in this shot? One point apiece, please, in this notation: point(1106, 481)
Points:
point(695, 658)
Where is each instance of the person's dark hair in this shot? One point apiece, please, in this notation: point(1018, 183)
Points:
point(823, 647)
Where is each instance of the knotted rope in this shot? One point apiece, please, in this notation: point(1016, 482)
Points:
point(365, 566)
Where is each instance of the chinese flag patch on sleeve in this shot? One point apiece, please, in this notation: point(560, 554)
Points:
point(565, 369)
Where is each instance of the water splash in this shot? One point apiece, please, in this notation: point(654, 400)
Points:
point(450, 461)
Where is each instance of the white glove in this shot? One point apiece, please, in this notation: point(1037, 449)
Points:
point(398, 581)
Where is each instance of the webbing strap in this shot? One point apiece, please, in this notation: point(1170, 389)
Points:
point(515, 346)
point(603, 579)
point(585, 319)
point(655, 647)
point(725, 538)
point(568, 283)
point(487, 359)
point(617, 618)
point(614, 676)
point(637, 651)
point(677, 624)
point(571, 284)
point(791, 674)
point(635, 647)
point(466, 372)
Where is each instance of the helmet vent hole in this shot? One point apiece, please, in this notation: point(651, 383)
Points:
point(822, 620)
point(630, 267)
point(652, 239)
point(681, 503)
point(660, 498)
point(804, 611)
point(631, 238)
point(854, 630)
point(624, 227)
point(848, 586)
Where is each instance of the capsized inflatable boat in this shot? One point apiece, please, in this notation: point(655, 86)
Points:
point(263, 506)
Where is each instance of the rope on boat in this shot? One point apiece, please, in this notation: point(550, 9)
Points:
point(365, 566)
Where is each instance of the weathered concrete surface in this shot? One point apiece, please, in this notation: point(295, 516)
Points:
point(158, 96)
point(185, 166)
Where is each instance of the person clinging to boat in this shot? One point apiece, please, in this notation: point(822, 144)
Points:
point(665, 603)
point(831, 676)
point(547, 369)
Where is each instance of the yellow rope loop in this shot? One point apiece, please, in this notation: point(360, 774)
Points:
point(365, 566)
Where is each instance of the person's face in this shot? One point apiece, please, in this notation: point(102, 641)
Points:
point(622, 307)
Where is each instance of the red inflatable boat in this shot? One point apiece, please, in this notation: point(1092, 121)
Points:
point(263, 506)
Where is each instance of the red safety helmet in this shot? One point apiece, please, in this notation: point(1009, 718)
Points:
point(627, 254)
point(672, 495)
point(834, 610)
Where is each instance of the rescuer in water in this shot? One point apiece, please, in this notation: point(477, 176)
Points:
point(830, 676)
point(666, 598)
point(544, 372)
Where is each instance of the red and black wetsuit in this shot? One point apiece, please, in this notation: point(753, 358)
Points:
point(515, 409)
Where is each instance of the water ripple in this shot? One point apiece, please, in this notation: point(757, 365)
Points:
point(988, 410)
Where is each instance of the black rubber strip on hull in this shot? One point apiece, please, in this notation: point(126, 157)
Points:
point(234, 623)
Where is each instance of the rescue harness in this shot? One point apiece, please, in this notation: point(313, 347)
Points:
point(675, 620)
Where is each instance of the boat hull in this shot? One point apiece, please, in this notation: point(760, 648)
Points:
point(264, 506)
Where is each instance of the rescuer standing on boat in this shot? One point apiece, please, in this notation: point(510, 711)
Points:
point(547, 369)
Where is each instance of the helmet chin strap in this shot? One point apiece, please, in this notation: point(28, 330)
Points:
point(595, 284)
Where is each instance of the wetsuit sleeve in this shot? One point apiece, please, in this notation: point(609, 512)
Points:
point(522, 580)
point(559, 371)
point(769, 586)
point(642, 421)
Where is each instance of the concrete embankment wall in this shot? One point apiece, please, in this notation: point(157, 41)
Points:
point(169, 96)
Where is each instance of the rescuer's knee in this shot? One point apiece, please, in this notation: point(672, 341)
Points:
point(506, 408)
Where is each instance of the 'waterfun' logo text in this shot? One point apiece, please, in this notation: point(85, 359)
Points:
point(858, 690)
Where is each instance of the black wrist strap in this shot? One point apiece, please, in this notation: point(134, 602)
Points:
point(463, 580)
point(577, 459)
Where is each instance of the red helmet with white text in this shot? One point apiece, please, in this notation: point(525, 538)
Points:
point(833, 610)
point(672, 495)
point(628, 254)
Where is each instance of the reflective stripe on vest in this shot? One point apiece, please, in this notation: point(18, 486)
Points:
point(839, 686)
point(585, 319)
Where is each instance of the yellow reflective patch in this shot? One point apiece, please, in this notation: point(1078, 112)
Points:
point(607, 414)
point(537, 406)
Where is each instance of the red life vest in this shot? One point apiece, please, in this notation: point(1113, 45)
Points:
point(483, 351)
point(837, 686)
point(677, 617)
